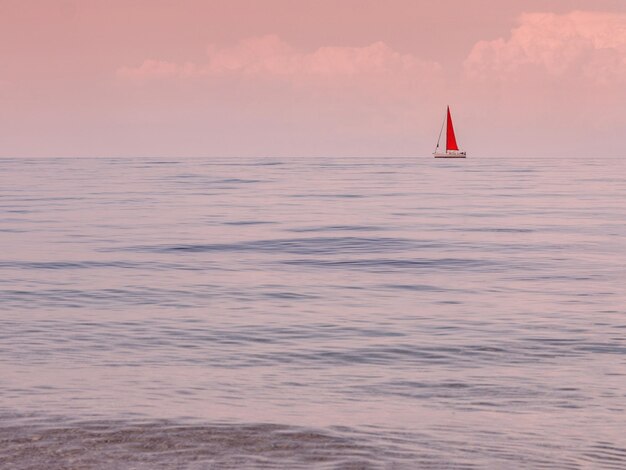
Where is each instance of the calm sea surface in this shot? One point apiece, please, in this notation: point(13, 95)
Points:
point(313, 313)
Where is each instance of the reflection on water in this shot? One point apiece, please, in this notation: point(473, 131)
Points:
point(375, 312)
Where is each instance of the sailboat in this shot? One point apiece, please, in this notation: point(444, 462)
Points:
point(452, 148)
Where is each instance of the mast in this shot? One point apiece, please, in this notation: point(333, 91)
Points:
point(443, 123)
point(450, 138)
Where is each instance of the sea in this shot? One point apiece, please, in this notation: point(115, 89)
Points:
point(326, 313)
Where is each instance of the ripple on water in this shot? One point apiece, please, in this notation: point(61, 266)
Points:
point(56, 444)
point(304, 246)
point(120, 445)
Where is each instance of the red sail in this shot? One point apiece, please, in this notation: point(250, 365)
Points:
point(450, 139)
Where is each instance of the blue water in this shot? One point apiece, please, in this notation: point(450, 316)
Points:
point(313, 313)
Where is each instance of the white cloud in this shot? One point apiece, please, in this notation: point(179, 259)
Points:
point(583, 45)
point(270, 57)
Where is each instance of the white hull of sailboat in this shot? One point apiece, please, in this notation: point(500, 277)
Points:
point(450, 155)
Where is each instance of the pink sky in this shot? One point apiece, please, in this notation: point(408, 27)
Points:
point(311, 77)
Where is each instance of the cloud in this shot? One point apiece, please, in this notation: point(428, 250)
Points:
point(590, 46)
point(152, 68)
point(270, 57)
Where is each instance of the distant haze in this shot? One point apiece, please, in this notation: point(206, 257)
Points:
point(311, 77)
